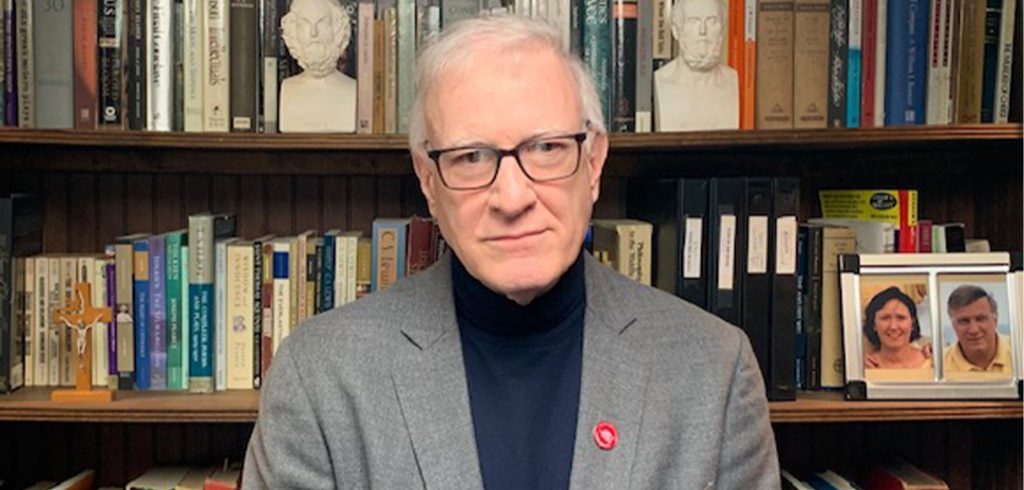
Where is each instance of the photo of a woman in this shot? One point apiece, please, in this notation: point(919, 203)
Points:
point(891, 326)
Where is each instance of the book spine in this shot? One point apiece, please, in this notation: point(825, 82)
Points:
point(295, 266)
point(111, 340)
point(26, 64)
point(193, 25)
point(8, 336)
point(178, 65)
point(99, 331)
point(282, 292)
point(406, 61)
point(990, 57)
point(9, 115)
point(157, 313)
point(28, 311)
point(938, 67)
point(869, 45)
point(810, 63)
point(418, 249)
point(136, 91)
point(645, 68)
point(775, 64)
point(967, 104)
point(111, 65)
point(41, 323)
point(391, 71)
point(597, 50)
point(881, 37)
point(240, 316)
point(54, 72)
point(174, 298)
point(255, 370)
point(85, 50)
point(783, 345)
point(662, 48)
point(734, 34)
point(364, 267)
point(624, 29)
point(453, 11)
point(327, 273)
point(68, 276)
point(389, 248)
point(159, 65)
point(142, 315)
point(838, 63)
point(124, 316)
point(748, 75)
point(379, 62)
point(812, 317)
point(220, 316)
point(186, 317)
point(756, 310)
point(244, 51)
point(216, 77)
point(266, 345)
point(270, 39)
point(200, 278)
point(854, 64)
point(55, 300)
point(1004, 62)
point(906, 62)
point(364, 78)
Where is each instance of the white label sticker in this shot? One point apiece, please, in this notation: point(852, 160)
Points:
point(726, 251)
point(785, 245)
point(757, 245)
point(692, 247)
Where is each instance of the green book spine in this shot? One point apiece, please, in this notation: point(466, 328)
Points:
point(184, 317)
point(175, 352)
point(597, 49)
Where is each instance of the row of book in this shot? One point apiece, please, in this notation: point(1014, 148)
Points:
point(227, 477)
point(196, 309)
point(190, 65)
point(893, 475)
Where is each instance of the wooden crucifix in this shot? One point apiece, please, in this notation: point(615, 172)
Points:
point(81, 316)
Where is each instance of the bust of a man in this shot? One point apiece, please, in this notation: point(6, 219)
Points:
point(321, 98)
point(697, 90)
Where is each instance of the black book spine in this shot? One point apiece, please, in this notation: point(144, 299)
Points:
point(9, 116)
point(624, 20)
point(257, 313)
point(785, 209)
point(812, 306)
point(244, 55)
point(136, 61)
point(7, 337)
point(801, 318)
point(695, 236)
point(111, 67)
point(838, 57)
point(757, 282)
point(728, 219)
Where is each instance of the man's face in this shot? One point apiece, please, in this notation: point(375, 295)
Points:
point(975, 327)
point(516, 236)
point(699, 31)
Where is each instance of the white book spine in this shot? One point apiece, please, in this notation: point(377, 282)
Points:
point(352, 264)
point(239, 316)
point(55, 300)
point(159, 66)
point(939, 71)
point(193, 23)
point(41, 327)
point(220, 315)
point(340, 257)
point(29, 318)
point(99, 331)
point(880, 45)
point(1004, 67)
point(282, 295)
point(216, 78)
point(364, 70)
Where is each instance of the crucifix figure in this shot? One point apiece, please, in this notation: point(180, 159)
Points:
point(80, 316)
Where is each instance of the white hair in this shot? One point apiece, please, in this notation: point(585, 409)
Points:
point(456, 48)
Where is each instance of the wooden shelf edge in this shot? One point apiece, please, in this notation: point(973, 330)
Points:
point(787, 138)
point(33, 404)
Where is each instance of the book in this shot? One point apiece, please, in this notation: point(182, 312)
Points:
point(158, 312)
point(125, 314)
point(628, 245)
point(727, 216)
point(881, 50)
point(85, 35)
point(26, 71)
point(158, 478)
point(159, 65)
point(193, 24)
point(774, 64)
point(869, 53)
point(758, 293)
point(900, 475)
point(838, 62)
point(220, 312)
point(195, 478)
point(281, 302)
point(810, 63)
point(782, 252)
point(940, 105)
point(971, 61)
point(906, 62)
point(135, 63)
point(110, 32)
point(174, 241)
point(54, 69)
point(389, 244)
point(21, 224)
point(216, 71)
point(597, 49)
point(140, 289)
point(836, 241)
point(1004, 61)
point(203, 230)
point(623, 66)
point(243, 53)
point(81, 481)
point(853, 72)
point(100, 354)
point(239, 340)
point(28, 276)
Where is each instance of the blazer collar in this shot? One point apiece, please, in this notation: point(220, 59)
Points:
point(430, 383)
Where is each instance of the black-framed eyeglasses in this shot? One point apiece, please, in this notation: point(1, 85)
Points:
point(543, 159)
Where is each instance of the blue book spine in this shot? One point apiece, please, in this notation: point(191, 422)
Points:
point(201, 347)
point(906, 62)
point(200, 297)
point(381, 238)
point(140, 291)
point(853, 73)
point(157, 314)
point(327, 274)
point(993, 17)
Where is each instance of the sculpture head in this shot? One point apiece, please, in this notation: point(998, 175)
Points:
point(699, 26)
point(316, 33)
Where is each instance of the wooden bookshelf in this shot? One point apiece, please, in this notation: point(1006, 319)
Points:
point(33, 404)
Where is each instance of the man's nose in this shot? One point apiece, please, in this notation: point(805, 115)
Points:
point(704, 28)
point(512, 191)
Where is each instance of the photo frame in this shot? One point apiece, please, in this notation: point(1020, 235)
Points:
point(932, 326)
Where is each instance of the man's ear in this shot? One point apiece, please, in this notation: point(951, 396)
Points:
point(424, 168)
point(596, 158)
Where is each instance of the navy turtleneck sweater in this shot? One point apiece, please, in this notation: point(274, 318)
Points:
point(523, 367)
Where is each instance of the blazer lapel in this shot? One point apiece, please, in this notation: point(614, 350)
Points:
point(430, 382)
point(612, 388)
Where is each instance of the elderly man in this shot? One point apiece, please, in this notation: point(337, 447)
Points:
point(517, 361)
point(979, 347)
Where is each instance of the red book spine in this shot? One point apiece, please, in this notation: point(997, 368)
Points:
point(869, 45)
point(908, 232)
point(267, 345)
point(924, 236)
point(85, 55)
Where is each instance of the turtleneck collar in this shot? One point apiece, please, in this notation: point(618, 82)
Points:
point(495, 315)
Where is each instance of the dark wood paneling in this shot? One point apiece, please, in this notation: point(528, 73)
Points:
point(335, 202)
point(197, 194)
point(252, 208)
point(224, 194)
point(361, 204)
point(139, 203)
point(308, 205)
point(389, 197)
point(279, 206)
point(167, 201)
point(82, 210)
point(112, 211)
point(55, 228)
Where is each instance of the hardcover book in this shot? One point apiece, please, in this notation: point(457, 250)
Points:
point(85, 52)
point(157, 321)
point(810, 63)
point(111, 65)
point(774, 64)
point(54, 71)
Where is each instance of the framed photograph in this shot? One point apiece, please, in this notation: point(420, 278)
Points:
point(932, 326)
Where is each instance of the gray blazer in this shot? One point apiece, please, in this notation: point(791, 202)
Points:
point(374, 395)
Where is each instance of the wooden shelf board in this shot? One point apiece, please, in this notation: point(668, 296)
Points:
point(824, 407)
point(33, 404)
point(809, 138)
